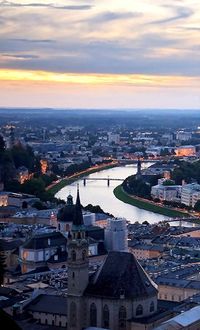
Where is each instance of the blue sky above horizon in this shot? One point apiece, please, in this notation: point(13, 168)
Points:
point(100, 53)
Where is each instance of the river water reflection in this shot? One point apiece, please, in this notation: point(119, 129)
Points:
point(98, 193)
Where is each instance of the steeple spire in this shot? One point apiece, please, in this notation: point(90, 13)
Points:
point(139, 173)
point(78, 216)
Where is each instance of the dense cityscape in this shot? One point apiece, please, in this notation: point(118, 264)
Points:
point(58, 254)
point(99, 165)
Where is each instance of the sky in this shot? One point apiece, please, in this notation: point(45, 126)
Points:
point(101, 54)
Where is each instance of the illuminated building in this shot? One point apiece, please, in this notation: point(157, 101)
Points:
point(22, 174)
point(185, 151)
point(44, 165)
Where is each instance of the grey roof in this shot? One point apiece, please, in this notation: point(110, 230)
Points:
point(170, 325)
point(10, 245)
point(42, 241)
point(66, 213)
point(121, 274)
point(48, 304)
point(183, 320)
point(37, 270)
point(147, 247)
point(95, 232)
point(179, 283)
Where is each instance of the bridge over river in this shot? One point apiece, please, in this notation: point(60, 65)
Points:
point(108, 179)
point(184, 219)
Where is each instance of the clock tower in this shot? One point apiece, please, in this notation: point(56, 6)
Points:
point(78, 272)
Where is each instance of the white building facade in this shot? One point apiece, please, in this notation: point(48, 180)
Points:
point(190, 194)
point(116, 235)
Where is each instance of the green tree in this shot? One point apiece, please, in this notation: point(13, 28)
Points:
point(34, 187)
point(137, 187)
point(14, 186)
point(8, 170)
point(197, 206)
point(168, 183)
point(39, 205)
point(2, 264)
point(145, 223)
point(2, 145)
point(164, 152)
point(23, 156)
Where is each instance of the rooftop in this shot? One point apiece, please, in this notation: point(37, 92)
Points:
point(44, 240)
point(48, 304)
point(121, 274)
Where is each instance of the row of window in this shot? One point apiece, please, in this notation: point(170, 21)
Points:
point(73, 255)
point(52, 322)
point(122, 315)
point(170, 297)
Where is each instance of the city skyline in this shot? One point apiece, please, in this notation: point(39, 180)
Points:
point(86, 54)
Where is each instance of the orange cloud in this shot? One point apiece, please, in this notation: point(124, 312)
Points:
point(99, 79)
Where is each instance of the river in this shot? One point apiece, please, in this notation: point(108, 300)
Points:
point(98, 193)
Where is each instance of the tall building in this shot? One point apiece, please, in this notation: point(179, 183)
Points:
point(78, 272)
point(1, 182)
point(12, 137)
point(139, 166)
point(65, 215)
point(183, 136)
point(190, 194)
point(119, 296)
point(116, 235)
point(113, 138)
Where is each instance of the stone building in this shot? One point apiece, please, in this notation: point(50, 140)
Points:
point(116, 235)
point(119, 291)
point(65, 216)
point(49, 310)
point(41, 248)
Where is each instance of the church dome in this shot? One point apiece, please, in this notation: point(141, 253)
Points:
point(66, 213)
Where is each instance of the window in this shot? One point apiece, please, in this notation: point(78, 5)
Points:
point(73, 275)
point(93, 315)
point(84, 254)
point(73, 255)
point(152, 307)
point(139, 310)
point(122, 317)
point(105, 317)
point(73, 315)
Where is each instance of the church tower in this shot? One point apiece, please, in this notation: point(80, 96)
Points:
point(78, 272)
point(139, 173)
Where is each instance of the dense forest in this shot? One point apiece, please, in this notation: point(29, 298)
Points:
point(190, 172)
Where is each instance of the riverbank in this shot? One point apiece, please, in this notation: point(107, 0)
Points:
point(55, 187)
point(146, 205)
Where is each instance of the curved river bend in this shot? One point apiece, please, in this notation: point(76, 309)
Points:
point(98, 193)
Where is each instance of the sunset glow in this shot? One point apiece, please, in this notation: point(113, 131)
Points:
point(98, 79)
point(95, 44)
